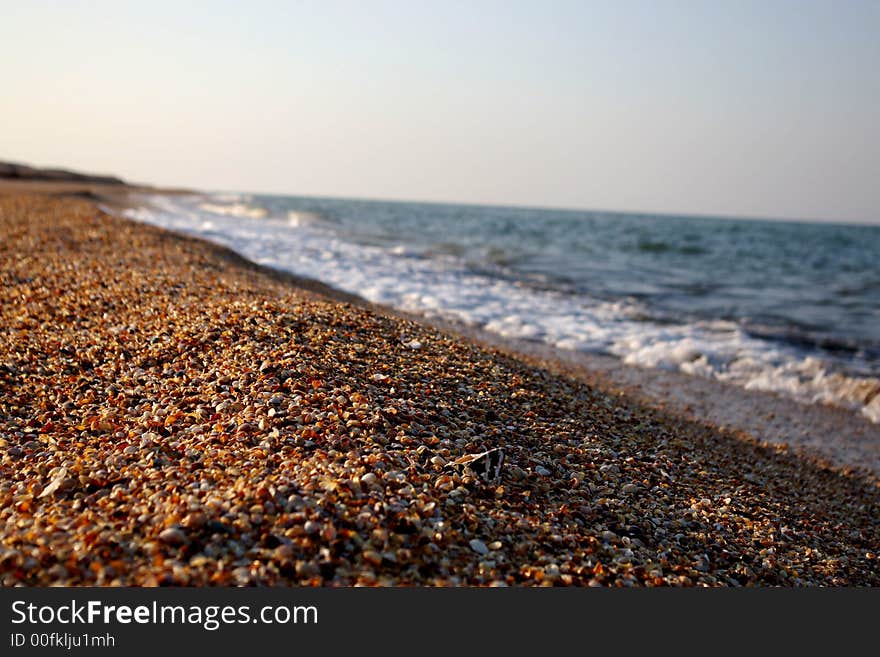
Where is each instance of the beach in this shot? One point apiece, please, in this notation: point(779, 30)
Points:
point(171, 413)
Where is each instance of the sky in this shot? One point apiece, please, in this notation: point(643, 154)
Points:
point(763, 109)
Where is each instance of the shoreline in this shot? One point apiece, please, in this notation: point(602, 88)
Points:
point(231, 428)
point(765, 416)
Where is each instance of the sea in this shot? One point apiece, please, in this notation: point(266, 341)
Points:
point(788, 307)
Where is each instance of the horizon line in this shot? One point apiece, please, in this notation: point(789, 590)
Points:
point(561, 208)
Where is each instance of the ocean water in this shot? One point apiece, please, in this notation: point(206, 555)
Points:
point(788, 307)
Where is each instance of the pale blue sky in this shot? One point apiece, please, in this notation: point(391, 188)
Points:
point(729, 107)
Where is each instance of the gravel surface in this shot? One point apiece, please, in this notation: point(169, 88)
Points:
point(172, 415)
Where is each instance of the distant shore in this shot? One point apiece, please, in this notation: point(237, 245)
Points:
point(172, 414)
point(25, 172)
point(98, 189)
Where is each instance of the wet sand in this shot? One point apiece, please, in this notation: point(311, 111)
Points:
point(172, 414)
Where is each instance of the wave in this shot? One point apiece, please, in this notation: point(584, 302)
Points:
point(235, 210)
point(656, 246)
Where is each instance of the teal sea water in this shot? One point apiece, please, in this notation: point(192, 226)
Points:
point(783, 306)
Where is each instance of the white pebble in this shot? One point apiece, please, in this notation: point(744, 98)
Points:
point(172, 536)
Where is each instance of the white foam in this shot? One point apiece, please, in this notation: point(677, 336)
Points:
point(297, 218)
point(234, 210)
point(445, 287)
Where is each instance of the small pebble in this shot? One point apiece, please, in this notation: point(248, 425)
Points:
point(307, 569)
point(372, 557)
point(172, 536)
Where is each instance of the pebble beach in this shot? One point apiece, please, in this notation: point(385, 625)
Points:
point(171, 414)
